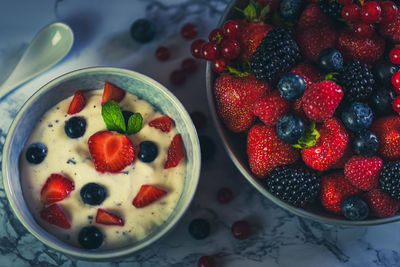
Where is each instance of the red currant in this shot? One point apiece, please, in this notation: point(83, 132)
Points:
point(199, 119)
point(351, 13)
point(177, 77)
point(345, 2)
point(370, 12)
point(189, 65)
point(230, 48)
point(189, 31)
point(363, 30)
point(206, 261)
point(394, 55)
point(195, 48)
point(241, 230)
point(162, 53)
point(231, 29)
point(221, 65)
point(389, 11)
point(210, 51)
point(396, 90)
point(216, 36)
point(224, 195)
point(396, 79)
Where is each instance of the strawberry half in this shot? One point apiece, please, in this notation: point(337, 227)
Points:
point(77, 104)
point(107, 218)
point(163, 123)
point(56, 188)
point(176, 152)
point(112, 92)
point(147, 194)
point(111, 151)
point(53, 214)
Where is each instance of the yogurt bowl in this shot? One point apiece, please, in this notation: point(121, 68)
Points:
point(157, 100)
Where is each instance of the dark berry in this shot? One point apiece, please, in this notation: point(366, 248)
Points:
point(127, 114)
point(330, 60)
point(389, 179)
point(290, 128)
point(93, 194)
point(207, 147)
point(177, 77)
point(231, 29)
point(291, 86)
point(189, 31)
point(199, 119)
point(189, 65)
point(240, 230)
point(210, 51)
point(355, 208)
point(75, 127)
point(381, 101)
point(143, 30)
point(216, 36)
point(394, 55)
point(195, 48)
point(365, 143)
point(224, 195)
point(36, 153)
point(162, 53)
point(332, 8)
point(389, 11)
point(290, 9)
point(206, 261)
point(370, 12)
point(357, 116)
point(230, 48)
point(383, 72)
point(363, 30)
point(90, 237)
point(199, 228)
point(221, 65)
point(148, 151)
point(351, 13)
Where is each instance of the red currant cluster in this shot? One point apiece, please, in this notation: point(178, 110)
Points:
point(222, 47)
point(363, 17)
point(394, 56)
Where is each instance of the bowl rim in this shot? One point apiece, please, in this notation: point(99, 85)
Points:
point(127, 250)
point(252, 179)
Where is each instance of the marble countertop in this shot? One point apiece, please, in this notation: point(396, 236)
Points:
point(102, 39)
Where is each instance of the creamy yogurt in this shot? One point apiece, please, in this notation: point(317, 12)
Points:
point(71, 157)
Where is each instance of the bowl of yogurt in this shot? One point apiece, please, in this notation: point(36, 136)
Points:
point(101, 162)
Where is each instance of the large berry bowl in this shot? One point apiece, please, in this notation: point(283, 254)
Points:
point(303, 96)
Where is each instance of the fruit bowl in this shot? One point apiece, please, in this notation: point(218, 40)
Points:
point(235, 145)
point(65, 86)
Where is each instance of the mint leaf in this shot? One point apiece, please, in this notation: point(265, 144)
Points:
point(134, 123)
point(112, 116)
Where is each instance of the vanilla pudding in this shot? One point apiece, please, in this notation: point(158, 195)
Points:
point(71, 158)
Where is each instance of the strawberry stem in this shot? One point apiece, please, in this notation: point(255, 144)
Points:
point(331, 76)
point(309, 138)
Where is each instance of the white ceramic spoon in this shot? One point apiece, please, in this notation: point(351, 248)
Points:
point(48, 47)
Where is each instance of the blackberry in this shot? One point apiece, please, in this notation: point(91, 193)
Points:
point(357, 81)
point(389, 179)
point(276, 54)
point(332, 8)
point(296, 186)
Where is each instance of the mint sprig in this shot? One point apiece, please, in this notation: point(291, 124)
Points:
point(134, 123)
point(114, 120)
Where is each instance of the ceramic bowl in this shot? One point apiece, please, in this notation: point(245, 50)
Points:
point(235, 145)
point(65, 86)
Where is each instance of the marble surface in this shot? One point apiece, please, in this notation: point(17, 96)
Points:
point(102, 39)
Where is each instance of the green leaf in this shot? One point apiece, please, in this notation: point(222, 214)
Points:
point(264, 12)
point(250, 12)
point(309, 138)
point(134, 123)
point(331, 76)
point(112, 116)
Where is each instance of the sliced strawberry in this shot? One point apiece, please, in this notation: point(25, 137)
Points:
point(77, 104)
point(163, 123)
point(107, 218)
point(147, 194)
point(53, 214)
point(111, 151)
point(176, 152)
point(112, 92)
point(56, 188)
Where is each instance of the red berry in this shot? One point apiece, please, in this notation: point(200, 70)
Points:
point(230, 48)
point(396, 104)
point(351, 13)
point(231, 29)
point(206, 261)
point(189, 65)
point(389, 11)
point(396, 90)
point(216, 36)
point(363, 30)
point(195, 48)
point(224, 195)
point(395, 55)
point(210, 51)
point(345, 2)
point(162, 53)
point(241, 230)
point(396, 79)
point(370, 12)
point(221, 65)
point(189, 31)
point(177, 77)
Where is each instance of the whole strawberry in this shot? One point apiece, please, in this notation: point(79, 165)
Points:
point(321, 100)
point(311, 16)
point(270, 108)
point(267, 151)
point(381, 204)
point(391, 30)
point(387, 129)
point(363, 172)
point(366, 50)
point(334, 189)
point(235, 96)
point(313, 40)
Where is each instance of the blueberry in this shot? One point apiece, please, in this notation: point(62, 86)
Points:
point(355, 208)
point(143, 30)
point(207, 147)
point(290, 9)
point(148, 151)
point(90, 237)
point(127, 114)
point(383, 72)
point(291, 86)
point(36, 153)
point(93, 194)
point(381, 101)
point(365, 143)
point(290, 128)
point(75, 127)
point(330, 60)
point(357, 116)
point(199, 228)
